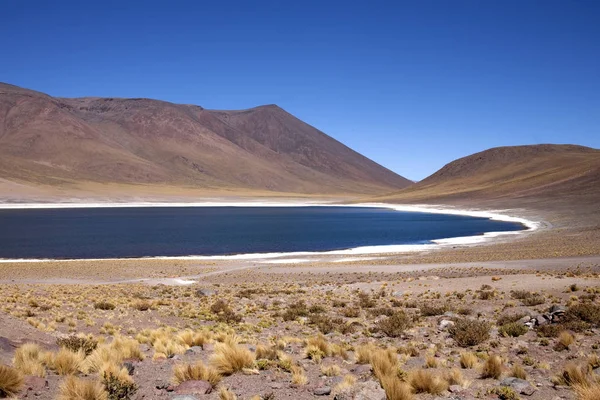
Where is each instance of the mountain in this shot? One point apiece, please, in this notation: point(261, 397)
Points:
point(518, 175)
point(116, 146)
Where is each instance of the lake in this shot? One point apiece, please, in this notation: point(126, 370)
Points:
point(183, 231)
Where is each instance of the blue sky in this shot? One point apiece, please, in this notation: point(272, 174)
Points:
point(410, 84)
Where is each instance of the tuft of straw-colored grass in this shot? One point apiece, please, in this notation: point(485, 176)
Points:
point(331, 370)
point(587, 392)
point(27, 360)
point(194, 372)
point(346, 383)
point(67, 362)
point(364, 353)
point(468, 360)
point(11, 381)
point(298, 375)
point(518, 371)
point(80, 389)
point(226, 394)
point(492, 368)
point(230, 358)
point(427, 381)
point(395, 389)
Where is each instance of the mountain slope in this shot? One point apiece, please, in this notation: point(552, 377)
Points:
point(513, 175)
point(73, 143)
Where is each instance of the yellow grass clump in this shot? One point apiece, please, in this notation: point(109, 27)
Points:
point(588, 392)
point(194, 372)
point(79, 389)
point(230, 358)
point(331, 370)
point(67, 362)
point(492, 368)
point(395, 389)
point(298, 375)
point(226, 394)
point(11, 381)
point(364, 353)
point(348, 381)
point(27, 360)
point(518, 372)
point(468, 360)
point(427, 381)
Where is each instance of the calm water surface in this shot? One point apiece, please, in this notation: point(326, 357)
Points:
point(181, 231)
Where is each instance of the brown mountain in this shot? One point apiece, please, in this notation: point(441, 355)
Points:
point(538, 175)
point(113, 145)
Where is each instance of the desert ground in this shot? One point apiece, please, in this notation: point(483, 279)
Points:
point(515, 317)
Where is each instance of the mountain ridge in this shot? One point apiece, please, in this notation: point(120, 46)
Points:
point(66, 142)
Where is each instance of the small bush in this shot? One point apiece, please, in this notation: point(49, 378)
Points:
point(431, 309)
point(118, 389)
point(492, 368)
point(295, 310)
point(76, 343)
point(587, 312)
point(365, 300)
point(504, 393)
point(469, 332)
point(396, 324)
point(104, 305)
point(535, 300)
point(224, 312)
point(513, 329)
point(11, 381)
point(142, 305)
point(508, 318)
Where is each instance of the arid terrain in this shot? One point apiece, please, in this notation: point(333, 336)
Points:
point(515, 317)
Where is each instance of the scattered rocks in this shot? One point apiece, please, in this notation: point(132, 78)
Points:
point(322, 391)
point(206, 292)
point(129, 367)
point(369, 390)
point(184, 397)
point(444, 324)
point(520, 386)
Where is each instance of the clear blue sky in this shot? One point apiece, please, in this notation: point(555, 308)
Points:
point(412, 85)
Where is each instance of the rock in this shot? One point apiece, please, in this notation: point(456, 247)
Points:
point(398, 293)
point(162, 385)
point(525, 319)
point(184, 397)
point(362, 369)
point(557, 309)
point(129, 367)
point(455, 388)
point(322, 391)
point(276, 385)
point(541, 320)
point(205, 292)
point(369, 390)
point(444, 324)
point(450, 314)
point(519, 385)
point(194, 387)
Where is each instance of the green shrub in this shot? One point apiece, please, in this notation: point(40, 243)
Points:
point(118, 389)
point(513, 329)
point(396, 324)
point(469, 332)
point(76, 343)
point(104, 305)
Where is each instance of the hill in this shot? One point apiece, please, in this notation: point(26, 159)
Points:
point(133, 146)
point(537, 175)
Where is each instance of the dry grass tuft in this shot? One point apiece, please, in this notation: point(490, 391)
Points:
point(395, 389)
point(468, 360)
point(565, 339)
point(427, 381)
point(346, 383)
point(27, 359)
point(194, 372)
point(298, 376)
point(492, 368)
point(66, 362)
point(226, 394)
point(331, 370)
point(364, 353)
point(230, 358)
point(11, 381)
point(588, 392)
point(79, 389)
point(574, 375)
point(518, 372)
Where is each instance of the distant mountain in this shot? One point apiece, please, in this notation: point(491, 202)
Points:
point(128, 144)
point(513, 175)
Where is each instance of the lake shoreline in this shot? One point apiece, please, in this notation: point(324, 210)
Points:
point(529, 225)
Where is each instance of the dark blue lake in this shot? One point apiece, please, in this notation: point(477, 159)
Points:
point(182, 231)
